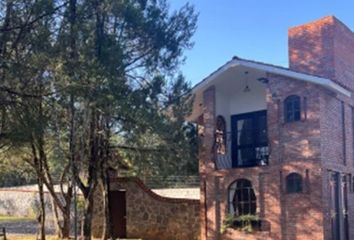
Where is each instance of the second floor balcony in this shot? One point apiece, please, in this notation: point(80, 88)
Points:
point(247, 143)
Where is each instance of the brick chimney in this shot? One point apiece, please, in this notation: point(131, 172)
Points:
point(324, 48)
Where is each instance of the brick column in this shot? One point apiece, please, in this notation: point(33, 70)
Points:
point(274, 119)
point(206, 157)
point(207, 160)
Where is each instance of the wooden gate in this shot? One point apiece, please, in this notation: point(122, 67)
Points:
point(117, 207)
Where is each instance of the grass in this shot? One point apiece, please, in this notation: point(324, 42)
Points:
point(27, 237)
point(4, 218)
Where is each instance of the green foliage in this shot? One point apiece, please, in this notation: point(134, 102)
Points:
point(168, 145)
point(88, 85)
point(128, 72)
point(13, 172)
point(244, 220)
point(80, 201)
point(228, 222)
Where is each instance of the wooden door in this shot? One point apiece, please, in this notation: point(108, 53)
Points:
point(117, 208)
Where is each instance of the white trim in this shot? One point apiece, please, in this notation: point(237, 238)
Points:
point(214, 75)
point(325, 82)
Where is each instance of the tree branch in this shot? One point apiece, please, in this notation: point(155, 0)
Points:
point(28, 24)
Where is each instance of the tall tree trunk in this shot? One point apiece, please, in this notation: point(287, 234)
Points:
point(44, 179)
point(66, 223)
point(72, 140)
point(62, 224)
point(41, 159)
point(63, 203)
point(107, 227)
point(86, 230)
point(58, 230)
point(41, 214)
point(92, 176)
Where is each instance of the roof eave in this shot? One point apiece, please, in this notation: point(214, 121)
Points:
point(327, 83)
point(214, 75)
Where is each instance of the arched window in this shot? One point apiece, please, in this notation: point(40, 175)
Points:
point(220, 135)
point(292, 108)
point(293, 183)
point(242, 199)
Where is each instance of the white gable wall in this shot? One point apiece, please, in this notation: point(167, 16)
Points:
point(223, 106)
point(231, 98)
point(244, 102)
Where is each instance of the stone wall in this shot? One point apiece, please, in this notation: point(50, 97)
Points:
point(151, 216)
point(22, 203)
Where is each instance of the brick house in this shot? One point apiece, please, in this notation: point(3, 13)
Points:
point(278, 142)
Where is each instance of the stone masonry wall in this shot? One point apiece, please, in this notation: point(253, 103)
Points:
point(22, 203)
point(150, 216)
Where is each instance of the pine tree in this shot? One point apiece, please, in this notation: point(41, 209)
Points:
point(78, 77)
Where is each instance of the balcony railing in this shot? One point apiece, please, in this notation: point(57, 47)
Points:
point(226, 156)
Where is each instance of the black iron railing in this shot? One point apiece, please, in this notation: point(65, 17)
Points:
point(226, 158)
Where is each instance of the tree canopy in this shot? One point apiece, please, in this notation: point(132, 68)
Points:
point(87, 85)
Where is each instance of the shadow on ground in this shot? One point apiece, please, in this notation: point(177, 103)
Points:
point(23, 227)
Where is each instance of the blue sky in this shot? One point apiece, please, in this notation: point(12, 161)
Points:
point(251, 29)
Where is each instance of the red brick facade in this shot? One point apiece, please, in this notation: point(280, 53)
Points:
point(313, 147)
point(324, 48)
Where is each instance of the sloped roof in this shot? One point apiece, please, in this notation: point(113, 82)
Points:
point(236, 61)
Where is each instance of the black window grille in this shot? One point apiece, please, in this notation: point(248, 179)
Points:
point(249, 139)
point(294, 183)
point(242, 199)
point(292, 108)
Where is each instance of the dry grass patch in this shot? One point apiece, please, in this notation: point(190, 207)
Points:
point(27, 237)
point(4, 218)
